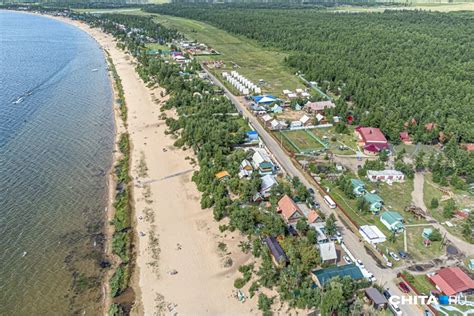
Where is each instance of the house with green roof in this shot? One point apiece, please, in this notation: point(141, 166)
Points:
point(358, 187)
point(375, 202)
point(427, 233)
point(393, 221)
point(322, 276)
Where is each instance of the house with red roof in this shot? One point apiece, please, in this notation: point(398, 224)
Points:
point(313, 217)
point(288, 209)
point(371, 139)
point(405, 138)
point(452, 281)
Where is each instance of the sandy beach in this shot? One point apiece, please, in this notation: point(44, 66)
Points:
point(179, 267)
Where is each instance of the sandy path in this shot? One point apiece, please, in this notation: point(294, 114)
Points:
point(168, 212)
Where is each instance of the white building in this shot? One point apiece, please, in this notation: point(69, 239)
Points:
point(385, 175)
point(328, 252)
point(268, 181)
point(372, 234)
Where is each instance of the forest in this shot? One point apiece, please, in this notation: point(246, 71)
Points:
point(393, 68)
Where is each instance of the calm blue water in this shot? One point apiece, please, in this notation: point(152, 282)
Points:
point(56, 142)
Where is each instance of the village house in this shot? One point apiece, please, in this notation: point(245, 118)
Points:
point(375, 202)
point(268, 181)
point(318, 107)
point(296, 124)
point(328, 253)
point(278, 125)
point(388, 176)
point(288, 209)
point(323, 276)
point(313, 217)
point(372, 234)
point(358, 187)
point(262, 162)
point(305, 120)
point(267, 119)
point(405, 138)
point(277, 253)
point(246, 169)
point(453, 281)
point(371, 139)
point(393, 221)
point(378, 300)
point(251, 137)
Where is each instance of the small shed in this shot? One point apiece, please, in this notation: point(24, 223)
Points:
point(223, 175)
point(376, 298)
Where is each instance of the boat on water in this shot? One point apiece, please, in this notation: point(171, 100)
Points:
point(19, 100)
point(94, 70)
point(24, 253)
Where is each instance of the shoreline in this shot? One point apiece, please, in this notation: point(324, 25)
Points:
point(202, 280)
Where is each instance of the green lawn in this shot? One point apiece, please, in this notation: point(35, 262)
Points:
point(303, 141)
point(251, 59)
point(347, 140)
point(420, 282)
point(157, 46)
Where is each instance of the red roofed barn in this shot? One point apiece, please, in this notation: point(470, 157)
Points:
point(289, 210)
point(371, 139)
point(452, 281)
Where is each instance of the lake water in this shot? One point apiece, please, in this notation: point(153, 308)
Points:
point(56, 142)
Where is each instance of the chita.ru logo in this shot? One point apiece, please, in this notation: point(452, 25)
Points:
point(424, 300)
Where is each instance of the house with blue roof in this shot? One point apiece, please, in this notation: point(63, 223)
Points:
point(375, 202)
point(393, 221)
point(264, 99)
point(358, 187)
point(251, 137)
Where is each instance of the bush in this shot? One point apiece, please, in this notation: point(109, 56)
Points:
point(434, 203)
point(119, 281)
point(116, 310)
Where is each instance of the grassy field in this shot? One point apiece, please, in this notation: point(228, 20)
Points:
point(301, 141)
point(251, 60)
point(347, 140)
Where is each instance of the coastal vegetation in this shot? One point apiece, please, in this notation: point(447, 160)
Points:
point(122, 236)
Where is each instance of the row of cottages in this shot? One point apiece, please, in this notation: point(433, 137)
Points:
point(298, 93)
point(394, 221)
point(371, 139)
point(388, 176)
point(318, 107)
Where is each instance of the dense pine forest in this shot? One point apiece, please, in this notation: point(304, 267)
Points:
point(393, 67)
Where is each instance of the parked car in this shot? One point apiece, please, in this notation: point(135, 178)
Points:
point(403, 254)
point(359, 263)
point(372, 278)
point(338, 233)
point(347, 259)
point(395, 309)
point(404, 287)
point(387, 294)
point(311, 191)
point(427, 313)
point(394, 256)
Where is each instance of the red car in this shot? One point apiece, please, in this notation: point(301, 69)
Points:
point(404, 287)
